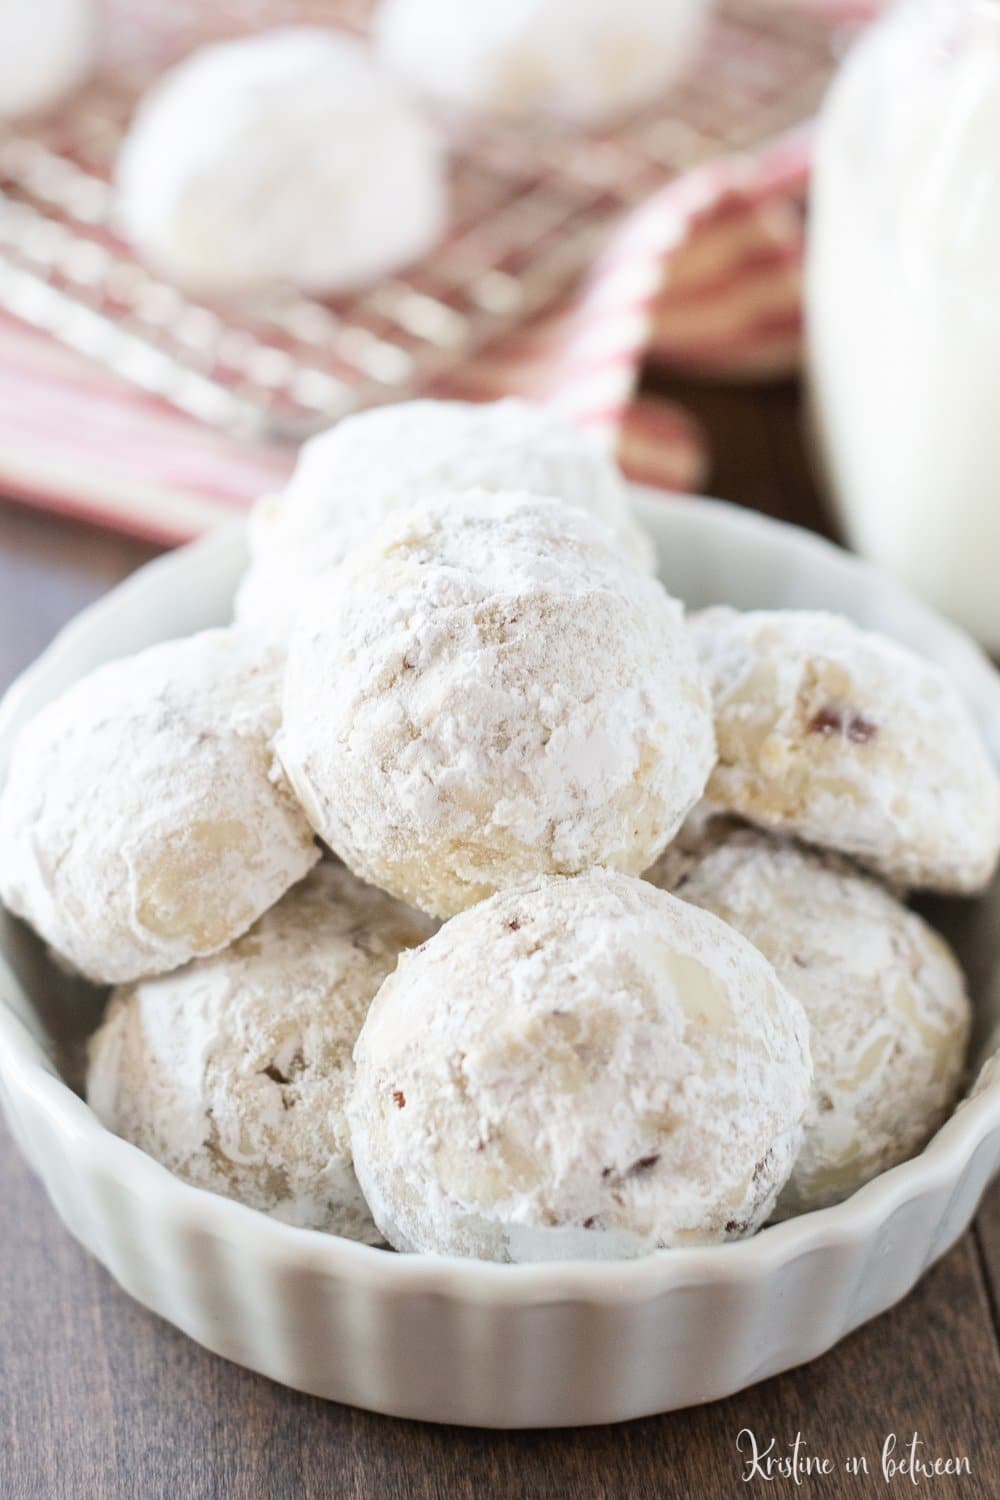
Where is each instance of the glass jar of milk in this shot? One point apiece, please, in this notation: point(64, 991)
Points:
point(903, 302)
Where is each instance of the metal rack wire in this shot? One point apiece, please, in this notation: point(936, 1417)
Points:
point(530, 209)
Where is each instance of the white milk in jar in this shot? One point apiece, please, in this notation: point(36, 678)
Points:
point(903, 302)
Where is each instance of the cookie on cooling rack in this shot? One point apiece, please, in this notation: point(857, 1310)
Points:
point(487, 692)
point(889, 1017)
point(47, 49)
point(144, 821)
point(234, 1071)
point(581, 1068)
point(590, 63)
point(847, 740)
point(348, 480)
point(282, 158)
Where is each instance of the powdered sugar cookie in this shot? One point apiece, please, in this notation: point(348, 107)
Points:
point(350, 479)
point(488, 693)
point(582, 1067)
point(279, 158)
point(587, 61)
point(847, 740)
point(234, 1071)
point(888, 1013)
point(47, 48)
point(145, 821)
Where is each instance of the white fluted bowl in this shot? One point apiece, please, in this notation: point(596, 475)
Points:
point(464, 1341)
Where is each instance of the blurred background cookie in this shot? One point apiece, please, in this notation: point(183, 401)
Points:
point(284, 158)
point(47, 49)
point(584, 61)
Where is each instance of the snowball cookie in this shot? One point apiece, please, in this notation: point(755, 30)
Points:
point(849, 741)
point(489, 693)
point(581, 1067)
point(234, 1071)
point(585, 61)
point(889, 1017)
point(351, 478)
point(47, 48)
point(283, 157)
point(145, 820)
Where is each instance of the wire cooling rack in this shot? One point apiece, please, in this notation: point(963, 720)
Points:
point(530, 210)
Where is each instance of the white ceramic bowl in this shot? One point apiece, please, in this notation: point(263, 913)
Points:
point(463, 1341)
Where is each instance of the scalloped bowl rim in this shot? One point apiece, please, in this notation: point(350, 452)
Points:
point(24, 1065)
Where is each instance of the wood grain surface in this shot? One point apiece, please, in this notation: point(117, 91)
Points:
point(98, 1398)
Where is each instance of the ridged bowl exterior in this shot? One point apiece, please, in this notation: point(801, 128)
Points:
point(462, 1341)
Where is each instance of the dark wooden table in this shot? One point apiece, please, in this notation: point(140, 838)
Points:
point(100, 1399)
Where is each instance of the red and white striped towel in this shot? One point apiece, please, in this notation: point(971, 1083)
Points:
point(704, 279)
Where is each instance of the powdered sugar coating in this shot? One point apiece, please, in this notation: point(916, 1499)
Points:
point(581, 1067)
point(888, 1012)
point(234, 1071)
point(47, 49)
point(847, 740)
point(145, 820)
point(350, 479)
point(489, 693)
point(279, 158)
point(589, 61)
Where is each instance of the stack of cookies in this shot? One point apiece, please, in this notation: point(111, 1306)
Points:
point(466, 895)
